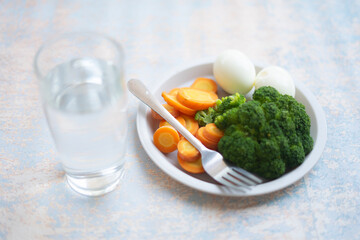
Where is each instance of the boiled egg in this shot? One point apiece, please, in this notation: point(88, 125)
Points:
point(276, 77)
point(234, 72)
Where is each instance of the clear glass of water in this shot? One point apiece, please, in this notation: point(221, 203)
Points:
point(84, 99)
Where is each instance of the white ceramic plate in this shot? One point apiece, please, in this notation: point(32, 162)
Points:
point(146, 126)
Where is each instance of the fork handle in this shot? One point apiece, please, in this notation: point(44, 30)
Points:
point(140, 91)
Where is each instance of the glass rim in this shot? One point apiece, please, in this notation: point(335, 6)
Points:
point(58, 37)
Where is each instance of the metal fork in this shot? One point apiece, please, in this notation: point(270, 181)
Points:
point(212, 161)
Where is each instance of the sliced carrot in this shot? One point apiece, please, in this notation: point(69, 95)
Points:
point(207, 142)
point(196, 99)
point(179, 118)
point(170, 109)
point(191, 124)
point(172, 100)
point(212, 133)
point(166, 139)
point(192, 167)
point(187, 151)
point(205, 84)
point(174, 91)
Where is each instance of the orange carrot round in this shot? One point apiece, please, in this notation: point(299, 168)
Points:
point(166, 139)
point(207, 142)
point(191, 124)
point(187, 151)
point(172, 100)
point(192, 167)
point(169, 108)
point(179, 118)
point(212, 133)
point(205, 84)
point(196, 99)
point(174, 91)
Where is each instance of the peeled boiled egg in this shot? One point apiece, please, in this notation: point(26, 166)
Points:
point(276, 77)
point(234, 72)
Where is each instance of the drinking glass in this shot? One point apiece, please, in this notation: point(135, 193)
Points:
point(84, 98)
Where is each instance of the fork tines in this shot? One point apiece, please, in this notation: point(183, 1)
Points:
point(241, 178)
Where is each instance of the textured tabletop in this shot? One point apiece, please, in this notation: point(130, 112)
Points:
point(317, 41)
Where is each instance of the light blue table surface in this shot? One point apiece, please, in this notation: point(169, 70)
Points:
point(317, 41)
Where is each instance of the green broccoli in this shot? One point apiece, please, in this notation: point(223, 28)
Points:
point(307, 143)
point(266, 94)
point(222, 105)
point(205, 116)
point(271, 110)
point(270, 169)
point(226, 119)
point(267, 136)
point(300, 120)
point(244, 154)
point(251, 114)
point(296, 152)
point(229, 102)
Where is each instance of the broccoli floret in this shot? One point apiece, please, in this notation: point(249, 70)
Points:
point(266, 94)
point(307, 143)
point(271, 111)
point(301, 121)
point(227, 118)
point(268, 149)
point(287, 102)
point(270, 169)
point(221, 107)
point(286, 123)
point(205, 116)
point(270, 129)
point(267, 136)
point(260, 158)
point(270, 163)
point(296, 151)
point(251, 114)
point(226, 103)
point(239, 149)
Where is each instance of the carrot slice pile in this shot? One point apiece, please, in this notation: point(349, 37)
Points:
point(205, 84)
point(187, 151)
point(183, 103)
point(166, 139)
point(192, 167)
point(212, 133)
point(196, 99)
point(169, 108)
point(172, 100)
point(191, 124)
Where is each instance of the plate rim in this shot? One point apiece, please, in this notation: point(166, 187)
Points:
point(194, 183)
